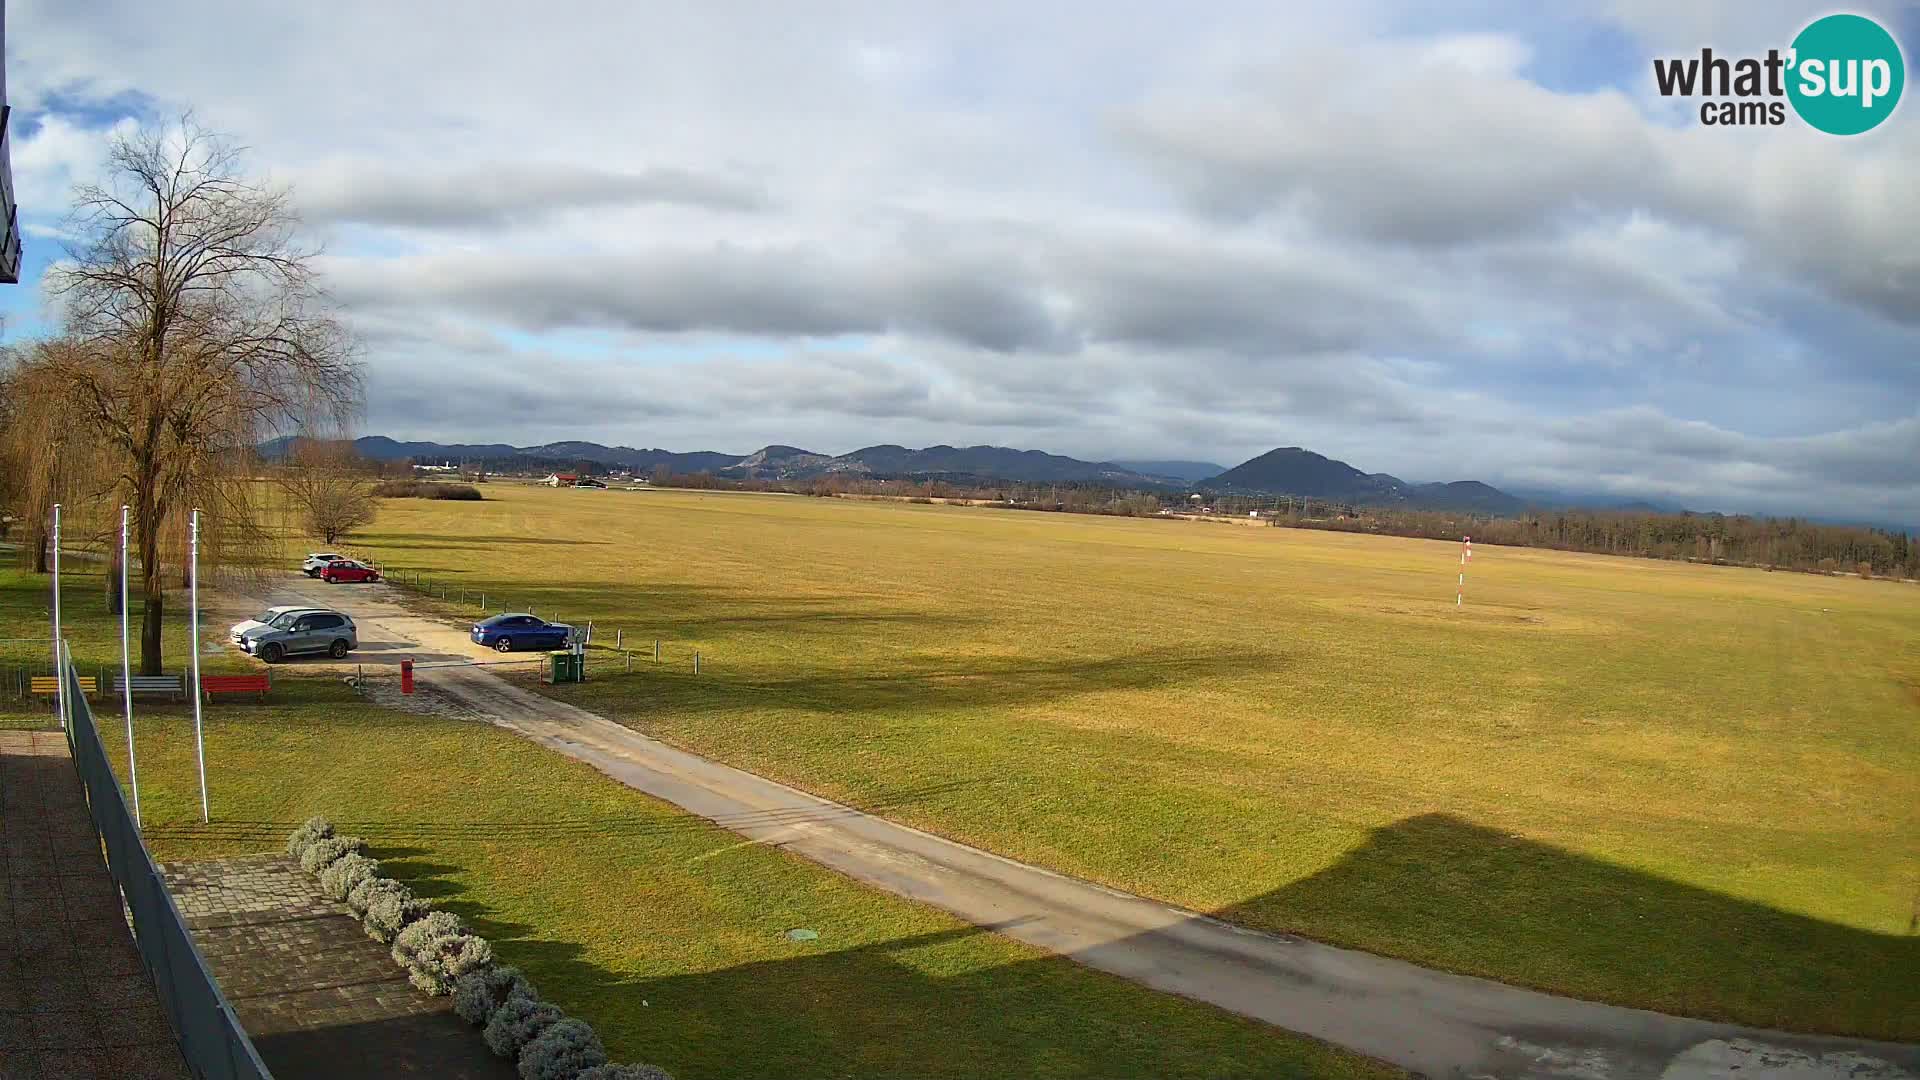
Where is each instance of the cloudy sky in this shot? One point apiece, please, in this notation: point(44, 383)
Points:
point(1475, 245)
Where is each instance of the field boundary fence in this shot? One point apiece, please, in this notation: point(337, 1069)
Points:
point(618, 656)
point(212, 1040)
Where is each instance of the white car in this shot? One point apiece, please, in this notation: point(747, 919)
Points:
point(317, 561)
point(259, 622)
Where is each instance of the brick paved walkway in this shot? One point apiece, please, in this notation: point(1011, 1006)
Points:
point(317, 995)
point(75, 1001)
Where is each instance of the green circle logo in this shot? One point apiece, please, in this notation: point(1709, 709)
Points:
point(1846, 74)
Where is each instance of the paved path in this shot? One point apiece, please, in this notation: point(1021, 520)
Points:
point(1431, 1022)
point(75, 1001)
point(319, 998)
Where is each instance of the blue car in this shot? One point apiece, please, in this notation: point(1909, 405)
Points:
point(505, 633)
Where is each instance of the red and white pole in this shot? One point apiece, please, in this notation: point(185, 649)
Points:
point(1466, 556)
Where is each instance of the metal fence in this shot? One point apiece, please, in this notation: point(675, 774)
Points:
point(216, 1047)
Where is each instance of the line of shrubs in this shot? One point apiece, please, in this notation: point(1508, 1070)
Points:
point(443, 957)
point(426, 489)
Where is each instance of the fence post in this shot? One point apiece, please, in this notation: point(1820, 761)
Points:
point(656, 650)
point(696, 661)
point(483, 603)
point(589, 640)
point(619, 638)
point(629, 663)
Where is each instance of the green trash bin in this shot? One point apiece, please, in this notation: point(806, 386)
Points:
point(565, 667)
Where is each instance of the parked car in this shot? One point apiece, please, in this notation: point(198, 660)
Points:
point(505, 633)
point(586, 483)
point(340, 570)
point(318, 560)
point(262, 620)
point(296, 632)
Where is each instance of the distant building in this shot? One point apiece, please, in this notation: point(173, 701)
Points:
point(564, 479)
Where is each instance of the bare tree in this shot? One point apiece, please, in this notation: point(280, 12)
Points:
point(194, 328)
point(329, 486)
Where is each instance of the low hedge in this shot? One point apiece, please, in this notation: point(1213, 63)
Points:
point(442, 956)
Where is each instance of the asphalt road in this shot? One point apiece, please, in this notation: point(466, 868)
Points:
point(1431, 1022)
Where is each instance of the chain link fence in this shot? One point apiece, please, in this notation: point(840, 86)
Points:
point(214, 1044)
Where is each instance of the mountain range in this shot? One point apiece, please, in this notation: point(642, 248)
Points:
point(1291, 470)
point(1285, 471)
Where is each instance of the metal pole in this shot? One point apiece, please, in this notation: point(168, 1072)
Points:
point(59, 671)
point(126, 669)
point(696, 661)
point(619, 637)
point(656, 650)
point(193, 646)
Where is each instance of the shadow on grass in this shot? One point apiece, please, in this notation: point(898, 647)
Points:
point(400, 841)
point(1435, 887)
point(1005, 682)
point(675, 611)
point(1526, 909)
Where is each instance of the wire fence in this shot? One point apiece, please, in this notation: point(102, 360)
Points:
point(607, 650)
point(214, 1044)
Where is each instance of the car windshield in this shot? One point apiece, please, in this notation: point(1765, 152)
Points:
point(283, 620)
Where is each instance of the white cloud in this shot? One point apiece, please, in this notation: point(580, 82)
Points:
point(1147, 231)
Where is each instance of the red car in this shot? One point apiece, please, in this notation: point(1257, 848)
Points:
point(347, 570)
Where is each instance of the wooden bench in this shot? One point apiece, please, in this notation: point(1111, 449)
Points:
point(171, 685)
point(235, 684)
point(50, 684)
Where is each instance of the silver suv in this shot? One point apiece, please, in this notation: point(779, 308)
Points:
point(296, 632)
point(317, 561)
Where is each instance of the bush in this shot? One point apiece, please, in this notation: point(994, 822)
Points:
point(361, 896)
point(314, 828)
point(561, 1052)
point(516, 1022)
point(346, 872)
point(426, 489)
point(624, 1072)
point(322, 853)
point(391, 911)
point(421, 934)
point(477, 993)
point(439, 964)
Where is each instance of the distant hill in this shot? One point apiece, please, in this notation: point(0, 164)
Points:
point(1291, 470)
point(502, 456)
point(1190, 471)
point(943, 462)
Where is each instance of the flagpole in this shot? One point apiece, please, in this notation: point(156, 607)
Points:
point(126, 670)
point(193, 645)
point(59, 672)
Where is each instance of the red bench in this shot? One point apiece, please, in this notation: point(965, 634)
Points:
point(235, 684)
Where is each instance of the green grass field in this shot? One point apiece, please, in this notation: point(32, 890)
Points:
point(1685, 788)
point(664, 932)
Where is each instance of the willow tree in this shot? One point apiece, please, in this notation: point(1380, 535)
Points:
point(194, 327)
point(47, 455)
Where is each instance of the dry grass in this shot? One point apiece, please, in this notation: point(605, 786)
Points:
point(1688, 788)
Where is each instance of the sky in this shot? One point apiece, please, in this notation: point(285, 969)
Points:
point(1463, 245)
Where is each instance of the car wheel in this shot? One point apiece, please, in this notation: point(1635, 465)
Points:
point(339, 650)
point(505, 644)
point(271, 652)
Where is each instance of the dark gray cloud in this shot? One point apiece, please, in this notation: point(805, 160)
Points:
point(503, 193)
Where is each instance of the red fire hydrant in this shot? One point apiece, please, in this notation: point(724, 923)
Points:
point(406, 676)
